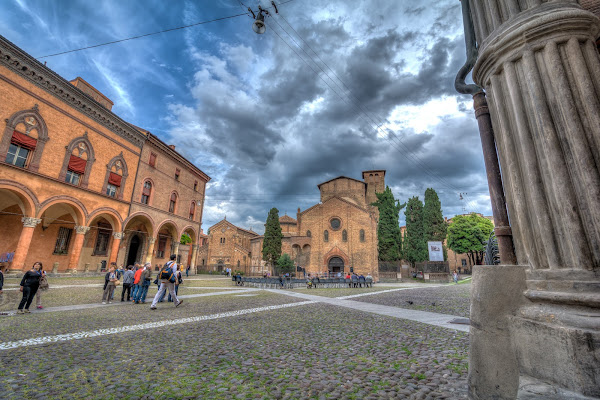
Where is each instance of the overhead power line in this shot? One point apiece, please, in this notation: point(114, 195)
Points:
point(144, 35)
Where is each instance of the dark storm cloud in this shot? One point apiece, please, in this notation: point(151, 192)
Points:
point(290, 130)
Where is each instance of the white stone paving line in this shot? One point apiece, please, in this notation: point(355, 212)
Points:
point(385, 291)
point(426, 317)
point(130, 328)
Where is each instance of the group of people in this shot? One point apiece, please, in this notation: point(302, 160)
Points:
point(136, 281)
point(353, 280)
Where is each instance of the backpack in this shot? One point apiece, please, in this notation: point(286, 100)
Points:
point(167, 272)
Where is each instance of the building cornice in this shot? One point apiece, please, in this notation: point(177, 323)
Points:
point(24, 65)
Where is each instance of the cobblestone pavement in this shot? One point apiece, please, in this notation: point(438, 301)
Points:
point(245, 345)
point(447, 299)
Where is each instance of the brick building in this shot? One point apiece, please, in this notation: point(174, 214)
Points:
point(167, 202)
point(226, 246)
point(69, 181)
point(335, 235)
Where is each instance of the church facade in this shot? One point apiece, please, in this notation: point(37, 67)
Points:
point(339, 234)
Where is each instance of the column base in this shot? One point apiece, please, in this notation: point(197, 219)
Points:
point(71, 271)
point(560, 344)
point(535, 389)
point(496, 294)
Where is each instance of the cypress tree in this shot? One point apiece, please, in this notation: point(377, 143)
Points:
point(434, 226)
point(415, 245)
point(271, 250)
point(389, 240)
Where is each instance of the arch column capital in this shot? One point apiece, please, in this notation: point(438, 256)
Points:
point(82, 230)
point(118, 235)
point(30, 222)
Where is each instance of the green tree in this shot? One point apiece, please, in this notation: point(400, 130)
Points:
point(434, 226)
point(271, 250)
point(468, 234)
point(389, 239)
point(185, 239)
point(415, 245)
point(285, 264)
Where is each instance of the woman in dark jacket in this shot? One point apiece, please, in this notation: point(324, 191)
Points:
point(29, 285)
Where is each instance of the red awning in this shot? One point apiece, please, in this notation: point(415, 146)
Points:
point(23, 140)
point(77, 164)
point(146, 191)
point(114, 179)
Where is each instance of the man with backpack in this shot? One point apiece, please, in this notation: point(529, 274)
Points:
point(167, 277)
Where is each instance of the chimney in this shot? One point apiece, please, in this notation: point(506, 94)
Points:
point(172, 146)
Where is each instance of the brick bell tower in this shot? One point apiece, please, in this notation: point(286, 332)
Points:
point(375, 181)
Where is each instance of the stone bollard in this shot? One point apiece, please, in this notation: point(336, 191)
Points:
point(86, 268)
point(55, 268)
point(496, 293)
point(99, 268)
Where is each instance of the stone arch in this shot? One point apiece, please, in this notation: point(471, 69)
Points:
point(32, 121)
point(169, 223)
point(22, 195)
point(114, 217)
point(145, 219)
point(117, 164)
point(82, 146)
point(194, 234)
point(335, 252)
point(78, 210)
point(171, 236)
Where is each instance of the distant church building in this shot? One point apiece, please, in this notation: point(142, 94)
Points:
point(337, 235)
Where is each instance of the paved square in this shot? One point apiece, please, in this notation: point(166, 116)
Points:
point(239, 343)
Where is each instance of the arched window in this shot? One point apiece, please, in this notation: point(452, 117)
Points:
point(344, 236)
point(146, 192)
point(326, 236)
point(173, 203)
point(24, 138)
point(78, 161)
point(308, 234)
point(192, 210)
point(362, 235)
point(116, 176)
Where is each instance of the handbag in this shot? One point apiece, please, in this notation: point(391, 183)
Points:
point(117, 282)
point(44, 283)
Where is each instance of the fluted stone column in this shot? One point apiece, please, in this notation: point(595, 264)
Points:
point(114, 249)
point(150, 249)
point(29, 224)
point(195, 248)
point(539, 65)
point(80, 232)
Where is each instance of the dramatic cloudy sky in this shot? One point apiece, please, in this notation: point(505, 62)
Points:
point(332, 88)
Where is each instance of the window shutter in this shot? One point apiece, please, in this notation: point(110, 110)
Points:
point(23, 140)
point(114, 179)
point(77, 164)
point(146, 191)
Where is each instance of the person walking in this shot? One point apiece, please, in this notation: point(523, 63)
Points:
point(145, 279)
point(43, 287)
point(128, 277)
point(167, 276)
point(29, 286)
point(455, 277)
point(110, 286)
point(137, 285)
point(178, 281)
point(187, 271)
